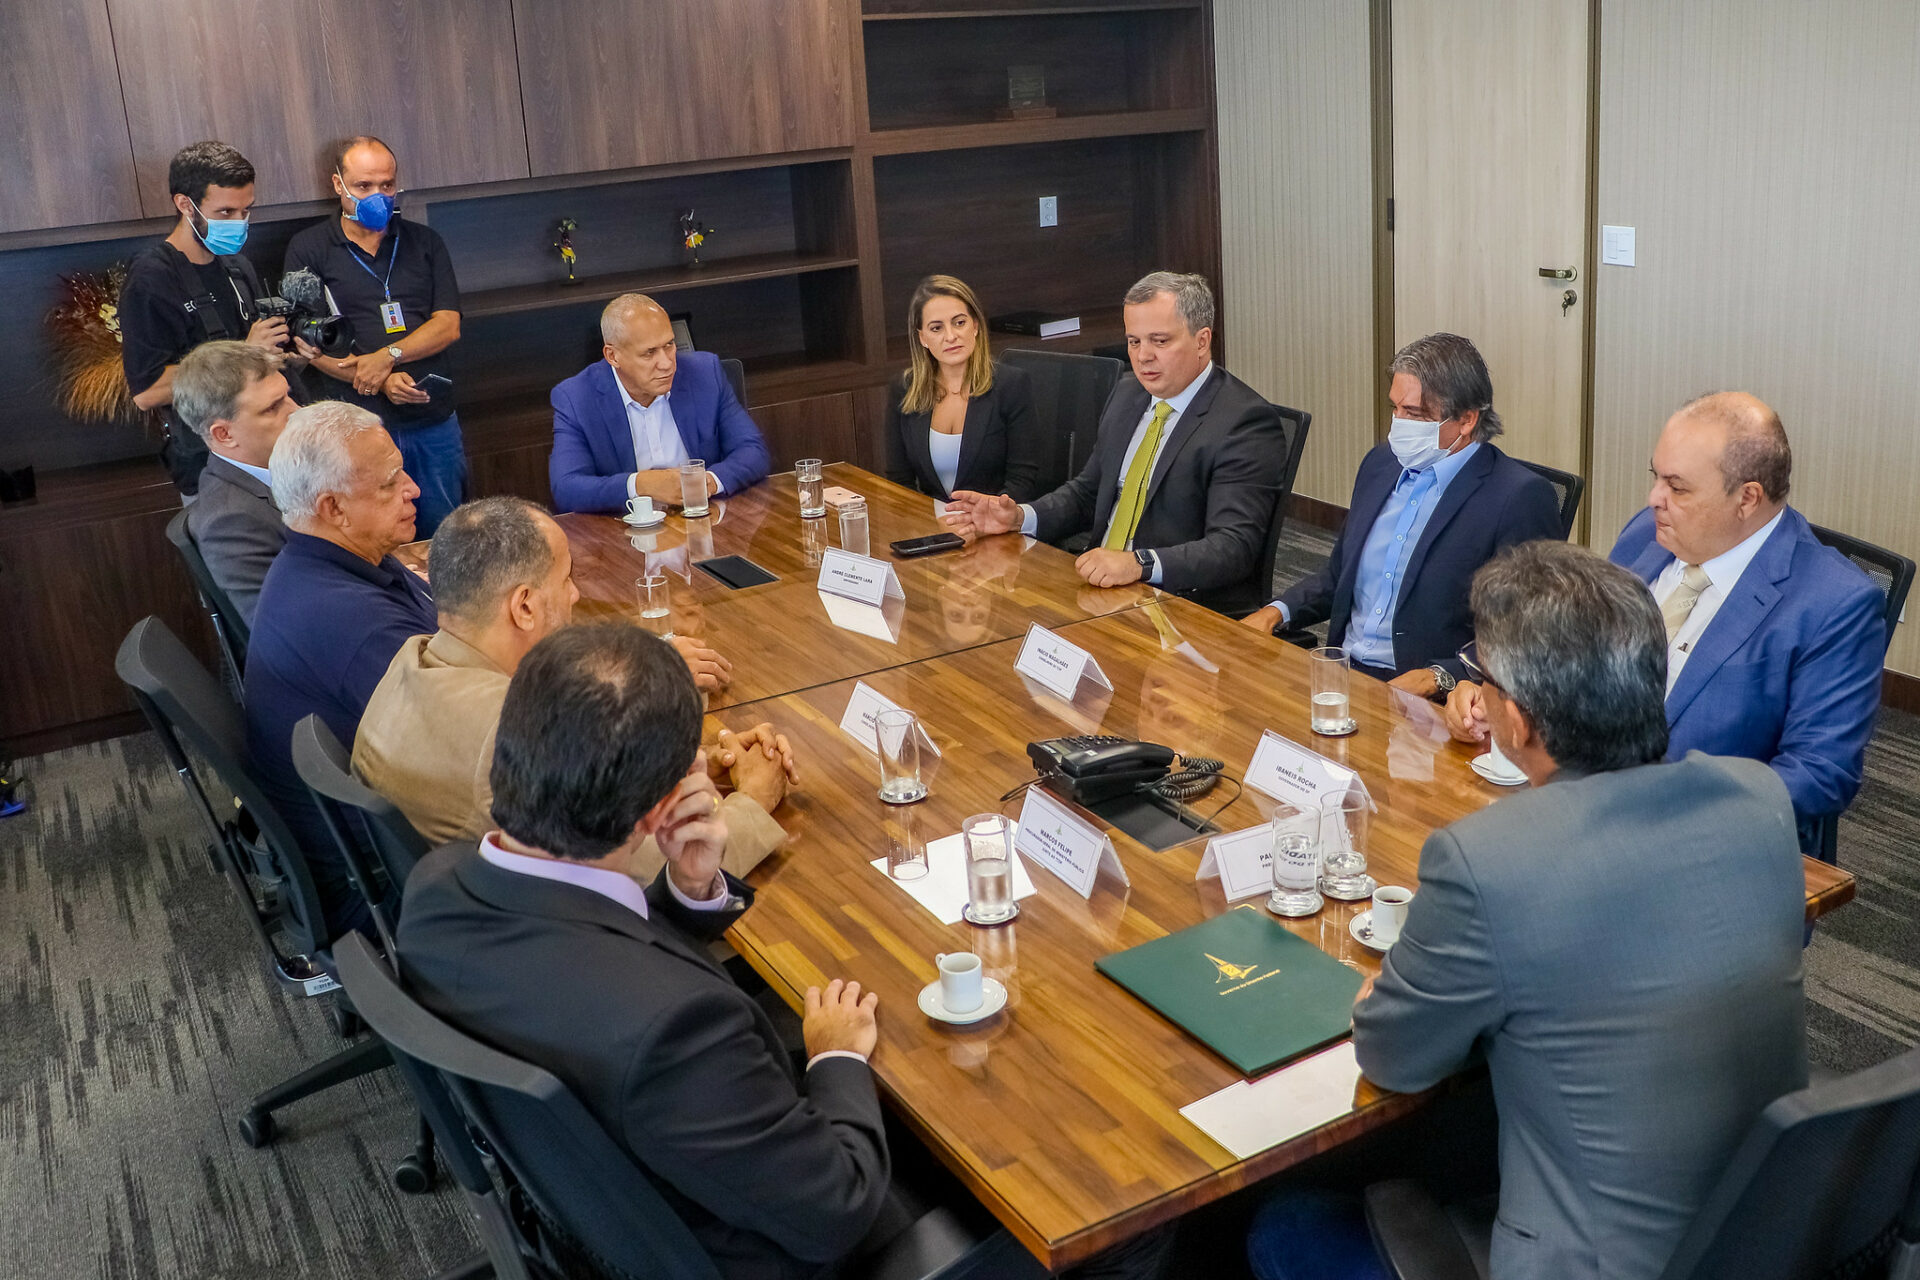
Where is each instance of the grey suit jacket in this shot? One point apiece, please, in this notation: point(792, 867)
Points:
point(238, 530)
point(1210, 498)
point(1625, 949)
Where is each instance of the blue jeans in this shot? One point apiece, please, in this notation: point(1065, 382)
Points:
point(436, 460)
point(1313, 1235)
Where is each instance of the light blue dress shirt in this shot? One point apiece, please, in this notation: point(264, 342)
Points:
point(1383, 558)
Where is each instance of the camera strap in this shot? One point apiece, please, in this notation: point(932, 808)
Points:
point(203, 309)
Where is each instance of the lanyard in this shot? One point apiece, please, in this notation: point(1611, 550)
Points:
point(392, 258)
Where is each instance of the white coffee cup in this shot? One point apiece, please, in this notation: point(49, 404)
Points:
point(1389, 913)
point(1497, 761)
point(640, 507)
point(960, 981)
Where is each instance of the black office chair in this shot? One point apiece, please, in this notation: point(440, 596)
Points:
point(1893, 574)
point(1069, 391)
point(1825, 1184)
point(229, 628)
point(544, 1138)
point(1296, 423)
point(1567, 486)
point(736, 378)
point(253, 847)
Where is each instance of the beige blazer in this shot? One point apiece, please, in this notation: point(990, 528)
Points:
point(426, 743)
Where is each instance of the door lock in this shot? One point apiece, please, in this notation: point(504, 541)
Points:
point(1567, 300)
point(1559, 273)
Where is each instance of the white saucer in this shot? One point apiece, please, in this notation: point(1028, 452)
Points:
point(1361, 927)
point(639, 522)
point(1497, 779)
point(993, 1000)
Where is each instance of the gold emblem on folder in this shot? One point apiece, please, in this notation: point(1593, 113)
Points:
point(1241, 976)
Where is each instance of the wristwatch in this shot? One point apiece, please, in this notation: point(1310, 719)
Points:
point(397, 354)
point(1443, 678)
point(1146, 563)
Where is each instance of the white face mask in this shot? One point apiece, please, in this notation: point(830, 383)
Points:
point(1415, 444)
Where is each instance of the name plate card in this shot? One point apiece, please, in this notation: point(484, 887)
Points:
point(1244, 859)
point(862, 719)
point(1057, 664)
point(1288, 771)
point(859, 578)
point(1061, 841)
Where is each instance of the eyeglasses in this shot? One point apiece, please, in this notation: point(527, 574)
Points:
point(1469, 657)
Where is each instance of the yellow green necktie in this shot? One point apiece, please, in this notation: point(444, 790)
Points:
point(1133, 490)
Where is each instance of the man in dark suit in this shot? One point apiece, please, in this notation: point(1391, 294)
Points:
point(1775, 641)
point(539, 940)
point(623, 426)
point(1431, 504)
point(233, 395)
point(1621, 944)
point(1180, 489)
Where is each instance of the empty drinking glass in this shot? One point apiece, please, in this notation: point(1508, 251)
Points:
point(1344, 823)
point(693, 487)
point(1296, 864)
point(900, 744)
point(813, 540)
point(906, 851)
point(813, 500)
point(1330, 675)
point(989, 841)
point(656, 605)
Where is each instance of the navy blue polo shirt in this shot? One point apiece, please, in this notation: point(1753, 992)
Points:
point(324, 633)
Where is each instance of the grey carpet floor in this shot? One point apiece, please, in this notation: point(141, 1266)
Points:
point(136, 1019)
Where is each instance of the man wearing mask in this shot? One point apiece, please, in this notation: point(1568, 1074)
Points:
point(193, 287)
point(1430, 506)
point(393, 283)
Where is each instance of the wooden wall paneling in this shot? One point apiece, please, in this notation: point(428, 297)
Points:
point(67, 157)
point(520, 471)
point(823, 427)
point(284, 82)
point(1296, 211)
point(870, 425)
point(1179, 225)
point(875, 321)
point(830, 313)
point(955, 71)
point(823, 209)
point(611, 84)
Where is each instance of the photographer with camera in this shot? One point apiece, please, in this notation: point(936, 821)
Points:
point(392, 283)
point(191, 288)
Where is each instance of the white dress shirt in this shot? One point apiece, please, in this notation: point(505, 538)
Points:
point(1178, 404)
point(656, 436)
point(1723, 572)
point(258, 473)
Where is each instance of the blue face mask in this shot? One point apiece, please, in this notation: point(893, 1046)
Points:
point(223, 235)
point(373, 212)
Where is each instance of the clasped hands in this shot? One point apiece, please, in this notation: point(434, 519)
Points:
point(371, 373)
point(977, 515)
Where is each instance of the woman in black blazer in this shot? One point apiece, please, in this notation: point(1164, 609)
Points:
point(957, 419)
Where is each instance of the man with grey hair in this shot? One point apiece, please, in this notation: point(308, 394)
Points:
point(1179, 490)
point(335, 608)
point(1627, 1063)
point(1775, 641)
point(503, 582)
point(623, 426)
point(235, 398)
point(1431, 504)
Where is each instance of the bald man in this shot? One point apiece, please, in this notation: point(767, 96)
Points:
point(1775, 642)
point(623, 426)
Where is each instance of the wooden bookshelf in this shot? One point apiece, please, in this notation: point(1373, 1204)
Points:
point(539, 297)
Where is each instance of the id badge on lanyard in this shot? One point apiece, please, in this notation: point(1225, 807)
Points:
point(390, 316)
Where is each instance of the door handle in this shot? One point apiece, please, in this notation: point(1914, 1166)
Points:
point(1559, 273)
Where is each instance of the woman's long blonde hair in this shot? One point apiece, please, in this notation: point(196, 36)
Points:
point(923, 371)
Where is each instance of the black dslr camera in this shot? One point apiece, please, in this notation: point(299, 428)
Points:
point(303, 301)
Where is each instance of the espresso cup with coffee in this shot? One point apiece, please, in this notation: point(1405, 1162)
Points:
point(961, 989)
point(1389, 913)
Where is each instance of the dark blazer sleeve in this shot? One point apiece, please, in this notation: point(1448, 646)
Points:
point(1310, 600)
point(238, 547)
point(1013, 392)
point(808, 1171)
point(576, 486)
point(1832, 695)
point(744, 460)
point(1532, 512)
point(900, 468)
point(1239, 499)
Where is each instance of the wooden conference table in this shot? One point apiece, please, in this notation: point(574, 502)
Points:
point(1061, 1114)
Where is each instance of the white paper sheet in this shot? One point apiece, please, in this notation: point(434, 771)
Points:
point(1249, 1116)
point(943, 890)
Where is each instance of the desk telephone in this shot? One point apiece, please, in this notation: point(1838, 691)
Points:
point(1099, 767)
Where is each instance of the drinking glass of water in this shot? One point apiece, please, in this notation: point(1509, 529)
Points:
point(813, 499)
point(1345, 820)
point(1330, 676)
point(853, 527)
point(693, 487)
point(1296, 864)
point(656, 606)
point(989, 841)
point(901, 745)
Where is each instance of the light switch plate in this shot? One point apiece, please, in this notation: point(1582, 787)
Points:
point(1616, 246)
point(1049, 211)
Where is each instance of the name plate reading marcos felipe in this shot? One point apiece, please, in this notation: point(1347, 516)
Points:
point(1288, 771)
point(859, 578)
point(1061, 841)
point(862, 719)
point(1057, 664)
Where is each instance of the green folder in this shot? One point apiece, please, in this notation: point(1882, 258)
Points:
point(1242, 985)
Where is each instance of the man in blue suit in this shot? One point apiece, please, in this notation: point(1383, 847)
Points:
point(623, 426)
point(1430, 506)
point(1775, 642)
